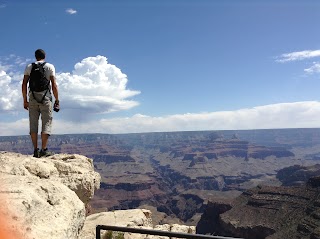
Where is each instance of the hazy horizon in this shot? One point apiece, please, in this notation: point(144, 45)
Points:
point(161, 132)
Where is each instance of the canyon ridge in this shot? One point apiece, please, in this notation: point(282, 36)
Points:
point(179, 175)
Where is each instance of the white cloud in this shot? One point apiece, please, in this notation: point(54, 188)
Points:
point(22, 61)
point(19, 127)
point(9, 63)
point(9, 96)
point(10, 83)
point(71, 11)
point(94, 86)
point(299, 55)
point(2, 5)
point(285, 115)
point(315, 68)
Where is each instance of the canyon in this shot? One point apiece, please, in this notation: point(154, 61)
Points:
point(270, 212)
point(180, 176)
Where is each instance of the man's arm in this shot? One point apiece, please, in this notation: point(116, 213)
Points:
point(54, 88)
point(24, 91)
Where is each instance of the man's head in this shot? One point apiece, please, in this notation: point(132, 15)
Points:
point(40, 54)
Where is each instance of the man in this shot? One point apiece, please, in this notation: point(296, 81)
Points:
point(40, 100)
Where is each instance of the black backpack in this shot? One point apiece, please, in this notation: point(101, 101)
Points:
point(38, 80)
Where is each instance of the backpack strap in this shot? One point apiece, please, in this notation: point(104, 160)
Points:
point(40, 102)
point(42, 64)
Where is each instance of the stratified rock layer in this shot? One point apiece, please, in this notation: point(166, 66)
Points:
point(297, 174)
point(268, 212)
point(160, 169)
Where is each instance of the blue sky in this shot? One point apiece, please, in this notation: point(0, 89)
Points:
point(165, 65)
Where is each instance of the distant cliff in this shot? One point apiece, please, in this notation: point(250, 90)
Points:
point(161, 170)
point(297, 174)
point(267, 212)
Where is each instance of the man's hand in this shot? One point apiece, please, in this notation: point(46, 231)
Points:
point(26, 105)
point(56, 106)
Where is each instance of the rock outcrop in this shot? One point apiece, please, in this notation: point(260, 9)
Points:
point(268, 212)
point(135, 218)
point(297, 174)
point(46, 197)
point(121, 218)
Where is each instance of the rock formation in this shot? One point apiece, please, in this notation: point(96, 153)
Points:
point(134, 218)
point(157, 169)
point(46, 197)
point(268, 212)
point(297, 174)
point(121, 218)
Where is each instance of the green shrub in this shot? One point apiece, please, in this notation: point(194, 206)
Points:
point(120, 235)
point(107, 235)
point(111, 235)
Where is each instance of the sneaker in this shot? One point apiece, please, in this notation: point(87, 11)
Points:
point(45, 153)
point(36, 153)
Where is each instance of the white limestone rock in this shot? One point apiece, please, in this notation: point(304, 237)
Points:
point(134, 218)
point(77, 172)
point(121, 218)
point(173, 228)
point(41, 208)
point(183, 228)
point(74, 171)
point(163, 227)
point(45, 198)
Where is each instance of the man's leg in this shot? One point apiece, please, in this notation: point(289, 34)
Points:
point(44, 151)
point(34, 114)
point(34, 139)
point(44, 138)
point(46, 117)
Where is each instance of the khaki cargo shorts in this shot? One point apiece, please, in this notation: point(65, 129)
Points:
point(44, 109)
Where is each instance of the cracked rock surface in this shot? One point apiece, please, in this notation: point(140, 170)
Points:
point(46, 197)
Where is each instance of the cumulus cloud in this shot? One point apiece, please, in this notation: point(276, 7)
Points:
point(299, 55)
point(10, 82)
point(9, 96)
point(285, 115)
point(95, 86)
point(71, 11)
